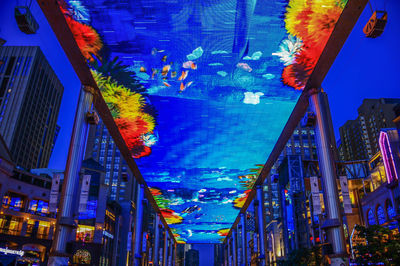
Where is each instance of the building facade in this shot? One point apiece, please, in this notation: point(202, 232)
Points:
point(359, 137)
point(30, 98)
point(26, 224)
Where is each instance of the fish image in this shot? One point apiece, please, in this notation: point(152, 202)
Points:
point(244, 66)
point(154, 51)
point(222, 73)
point(191, 209)
point(165, 70)
point(173, 74)
point(166, 84)
point(184, 75)
point(164, 58)
point(182, 87)
point(189, 64)
point(155, 71)
point(143, 69)
point(188, 84)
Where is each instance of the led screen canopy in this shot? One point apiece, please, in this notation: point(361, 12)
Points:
point(210, 86)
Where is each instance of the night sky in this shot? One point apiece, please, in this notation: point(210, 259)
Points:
point(365, 68)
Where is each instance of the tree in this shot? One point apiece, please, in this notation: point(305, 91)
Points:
point(378, 245)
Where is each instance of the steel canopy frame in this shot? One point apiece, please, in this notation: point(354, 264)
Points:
point(55, 18)
point(342, 30)
point(343, 27)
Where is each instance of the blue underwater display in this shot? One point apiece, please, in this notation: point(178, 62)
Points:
point(220, 102)
point(213, 72)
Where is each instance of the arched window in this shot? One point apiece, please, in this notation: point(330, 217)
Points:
point(380, 214)
point(390, 210)
point(82, 256)
point(371, 217)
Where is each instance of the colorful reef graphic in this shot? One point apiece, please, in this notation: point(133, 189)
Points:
point(201, 91)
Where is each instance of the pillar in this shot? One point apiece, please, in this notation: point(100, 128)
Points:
point(228, 241)
point(65, 217)
point(261, 224)
point(156, 241)
point(244, 240)
point(171, 243)
point(326, 159)
point(165, 256)
point(234, 247)
point(138, 227)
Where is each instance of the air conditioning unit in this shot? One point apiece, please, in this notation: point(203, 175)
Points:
point(25, 20)
point(92, 118)
point(376, 24)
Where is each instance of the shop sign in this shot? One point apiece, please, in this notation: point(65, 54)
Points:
point(345, 194)
point(84, 193)
point(12, 251)
point(55, 187)
point(129, 243)
point(107, 234)
point(316, 201)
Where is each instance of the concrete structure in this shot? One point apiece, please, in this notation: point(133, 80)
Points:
point(30, 98)
point(359, 137)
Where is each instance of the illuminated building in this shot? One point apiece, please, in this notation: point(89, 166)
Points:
point(25, 221)
point(101, 147)
point(359, 137)
point(30, 97)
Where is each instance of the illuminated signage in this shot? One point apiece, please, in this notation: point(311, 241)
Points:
point(107, 234)
point(11, 251)
point(387, 143)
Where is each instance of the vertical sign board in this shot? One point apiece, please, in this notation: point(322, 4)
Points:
point(129, 242)
point(55, 187)
point(315, 195)
point(345, 194)
point(84, 193)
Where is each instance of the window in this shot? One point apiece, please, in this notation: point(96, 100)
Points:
point(371, 217)
point(390, 210)
point(84, 233)
point(380, 214)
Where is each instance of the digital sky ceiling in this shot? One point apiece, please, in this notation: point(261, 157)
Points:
point(201, 90)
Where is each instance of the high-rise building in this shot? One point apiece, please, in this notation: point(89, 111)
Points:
point(192, 257)
point(302, 142)
point(101, 147)
point(359, 137)
point(30, 98)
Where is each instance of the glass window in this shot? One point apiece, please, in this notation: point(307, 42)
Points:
point(390, 210)
point(380, 214)
point(85, 233)
point(371, 217)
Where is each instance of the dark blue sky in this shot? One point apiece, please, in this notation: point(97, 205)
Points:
point(365, 68)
